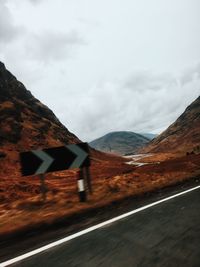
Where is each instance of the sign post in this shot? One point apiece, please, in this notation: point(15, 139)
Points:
point(39, 162)
point(88, 179)
point(81, 186)
point(43, 187)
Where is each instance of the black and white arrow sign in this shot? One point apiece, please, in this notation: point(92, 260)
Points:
point(55, 159)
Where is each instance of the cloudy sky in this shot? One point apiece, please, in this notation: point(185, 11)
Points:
point(105, 65)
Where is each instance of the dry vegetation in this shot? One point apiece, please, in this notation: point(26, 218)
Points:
point(26, 124)
point(112, 179)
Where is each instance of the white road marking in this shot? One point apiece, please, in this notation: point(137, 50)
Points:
point(90, 229)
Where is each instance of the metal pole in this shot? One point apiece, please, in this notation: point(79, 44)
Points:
point(88, 179)
point(81, 186)
point(43, 187)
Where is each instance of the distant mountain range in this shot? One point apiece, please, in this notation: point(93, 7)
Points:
point(182, 136)
point(149, 135)
point(121, 143)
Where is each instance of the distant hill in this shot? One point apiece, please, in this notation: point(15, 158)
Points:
point(182, 136)
point(120, 143)
point(149, 135)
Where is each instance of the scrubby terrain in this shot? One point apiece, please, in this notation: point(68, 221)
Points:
point(25, 123)
point(182, 136)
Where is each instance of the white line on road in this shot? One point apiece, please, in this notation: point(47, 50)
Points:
point(90, 229)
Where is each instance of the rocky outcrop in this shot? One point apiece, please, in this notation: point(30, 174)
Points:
point(182, 136)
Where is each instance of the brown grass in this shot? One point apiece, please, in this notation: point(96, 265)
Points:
point(112, 179)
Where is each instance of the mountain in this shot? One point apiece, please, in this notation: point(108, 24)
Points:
point(149, 135)
point(26, 123)
point(182, 136)
point(121, 143)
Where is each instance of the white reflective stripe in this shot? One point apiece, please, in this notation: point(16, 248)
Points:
point(47, 161)
point(81, 155)
point(81, 185)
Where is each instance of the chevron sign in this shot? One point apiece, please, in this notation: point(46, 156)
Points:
point(55, 159)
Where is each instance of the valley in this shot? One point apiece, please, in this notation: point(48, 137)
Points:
point(28, 124)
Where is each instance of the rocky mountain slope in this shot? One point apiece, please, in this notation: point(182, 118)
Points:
point(26, 123)
point(182, 136)
point(121, 143)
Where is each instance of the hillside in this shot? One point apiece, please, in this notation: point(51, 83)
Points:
point(182, 136)
point(120, 143)
point(28, 124)
point(25, 123)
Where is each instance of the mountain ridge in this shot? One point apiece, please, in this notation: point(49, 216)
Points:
point(182, 136)
point(26, 123)
point(119, 142)
point(17, 101)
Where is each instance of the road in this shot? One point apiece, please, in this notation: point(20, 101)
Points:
point(167, 235)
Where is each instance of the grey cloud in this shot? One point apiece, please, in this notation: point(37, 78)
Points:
point(112, 107)
point(36, 1)
point(190, 74)
point(89, 22)
point(8, 31)
point(53, 46)
point(145, 80)
point(89, 98)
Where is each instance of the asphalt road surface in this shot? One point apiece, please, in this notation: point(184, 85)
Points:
point(165, 235)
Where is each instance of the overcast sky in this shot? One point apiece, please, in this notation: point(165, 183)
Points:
point(105, 65)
